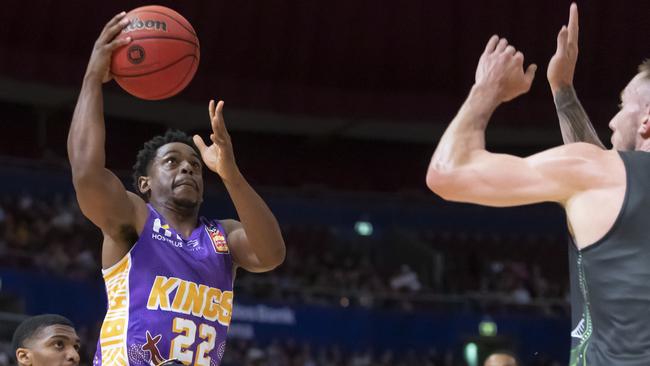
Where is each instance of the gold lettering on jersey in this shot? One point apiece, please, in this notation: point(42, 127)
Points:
point(180, 296)
point(212, 305)
point(225, 310)
point(159, 295)
point(200, 300)
point(195, 299)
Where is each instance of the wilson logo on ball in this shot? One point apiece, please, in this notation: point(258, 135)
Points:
point(135, 54)
point(137, 24)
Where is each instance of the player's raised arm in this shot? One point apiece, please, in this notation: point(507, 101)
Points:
point(462, 170)
point(256, 242)
point(101, 195)
point(574, 121)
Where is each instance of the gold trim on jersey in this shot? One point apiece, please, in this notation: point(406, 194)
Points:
point(112, 337)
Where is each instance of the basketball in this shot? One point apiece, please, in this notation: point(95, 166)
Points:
point(161, 58)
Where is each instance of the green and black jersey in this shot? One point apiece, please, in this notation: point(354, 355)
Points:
point(610, 281)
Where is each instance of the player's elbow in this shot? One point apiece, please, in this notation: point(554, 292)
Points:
point(278, 257)
point(271, 260)
point(442, 182)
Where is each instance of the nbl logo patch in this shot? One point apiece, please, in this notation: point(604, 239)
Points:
point(217, 238)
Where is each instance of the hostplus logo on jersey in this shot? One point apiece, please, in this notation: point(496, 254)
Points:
point(162, 233)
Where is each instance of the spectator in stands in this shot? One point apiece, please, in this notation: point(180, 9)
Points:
point(405, 279)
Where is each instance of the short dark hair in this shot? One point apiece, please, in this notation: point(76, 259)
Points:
point(148, 151)
point(644, 68)
point(31, 326)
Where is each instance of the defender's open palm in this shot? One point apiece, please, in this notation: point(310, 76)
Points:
point(501, 67)
point(219, 156)
point(563, 63)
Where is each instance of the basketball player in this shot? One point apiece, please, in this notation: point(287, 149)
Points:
point(46, 340)
point(168, 273)
point(604, 193)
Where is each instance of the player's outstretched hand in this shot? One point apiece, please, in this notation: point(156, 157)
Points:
point(219, 156)
point(501, 69)
point(100, 60)
point(562, 66)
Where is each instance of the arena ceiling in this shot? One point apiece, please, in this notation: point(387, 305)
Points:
point(359, 68)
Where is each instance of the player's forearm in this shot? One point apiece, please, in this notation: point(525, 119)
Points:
point(259, 223)
point(87, 131)
point(464, 136)
point(574, 121)
point(466, 132)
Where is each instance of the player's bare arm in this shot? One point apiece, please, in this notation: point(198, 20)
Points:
point(574, 121)
point(461, 169)
point(101, 195)
point(256, 242)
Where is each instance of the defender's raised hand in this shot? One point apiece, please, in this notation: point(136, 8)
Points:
point(501, 68)
point(219, 156)
point(100, 60)
point(562, 66)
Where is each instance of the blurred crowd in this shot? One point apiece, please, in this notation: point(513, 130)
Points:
point(325, 265)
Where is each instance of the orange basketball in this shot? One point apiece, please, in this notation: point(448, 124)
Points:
point(161, 58)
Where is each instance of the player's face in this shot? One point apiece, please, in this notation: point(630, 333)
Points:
point(56, 345)
point(500, 359)
point(176, 175)
point(633, 109)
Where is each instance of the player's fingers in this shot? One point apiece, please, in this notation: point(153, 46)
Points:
point(510, 50)
point(109, 33)
point(492, 42)
point(529, 76)
point(562, 39)
point(117, 43)
point(220, 124)
point(519, 58)
point(117, 28)
point(200, 144)
point(114, 20)
point(503, 43)
point(574, 28)
point(211, 109)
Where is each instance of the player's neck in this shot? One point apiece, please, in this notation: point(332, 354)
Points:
point(183, 219)
point(645, 146)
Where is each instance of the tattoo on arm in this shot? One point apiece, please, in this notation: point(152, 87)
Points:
point(574, 122)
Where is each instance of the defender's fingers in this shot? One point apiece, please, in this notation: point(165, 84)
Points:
point(491, 44)
point(574, 28)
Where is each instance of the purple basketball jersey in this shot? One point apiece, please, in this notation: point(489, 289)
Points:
point(168, 298)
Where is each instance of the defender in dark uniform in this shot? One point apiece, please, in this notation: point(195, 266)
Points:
point(610, 280)
point(605, 193)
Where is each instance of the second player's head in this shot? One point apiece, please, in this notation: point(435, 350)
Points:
point(631, 125)
point(46, 340)
point(501, 358)
point(168, 170)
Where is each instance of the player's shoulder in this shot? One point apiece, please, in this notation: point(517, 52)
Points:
point(585, 149)
point(578, 153)
point(581, 165)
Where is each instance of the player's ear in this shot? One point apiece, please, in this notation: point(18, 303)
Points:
point(143, 185)
point(24, 357)
point(644, 128)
